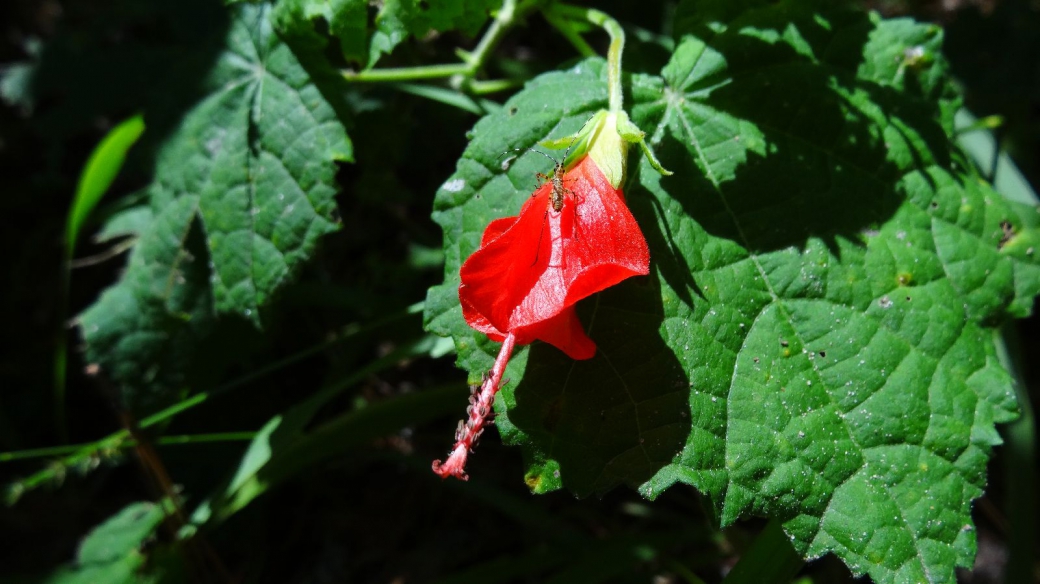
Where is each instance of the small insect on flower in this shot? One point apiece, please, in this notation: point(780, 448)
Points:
point(558, 190)
point(555, 177)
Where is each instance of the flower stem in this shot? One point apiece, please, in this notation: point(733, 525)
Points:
point(478, 412)
point(617, 45)
point(573, 36)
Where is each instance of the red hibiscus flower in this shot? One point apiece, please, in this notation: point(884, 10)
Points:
point(530, 270)
point(574, 237)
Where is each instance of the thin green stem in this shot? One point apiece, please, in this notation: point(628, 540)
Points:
point(407, 73)
point(493, 86)
point(43, 452)
point(205, 438)
point(563, 26)
point(504, 19)
point(125, 444)
point(617, 45)
point(116, 440)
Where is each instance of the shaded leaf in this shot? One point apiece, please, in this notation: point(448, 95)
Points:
point(399, 19)
point(347, 20)
point(111, 551)
point(243, 190)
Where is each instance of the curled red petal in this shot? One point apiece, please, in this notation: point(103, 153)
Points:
point(563, 331)
point(530, 270)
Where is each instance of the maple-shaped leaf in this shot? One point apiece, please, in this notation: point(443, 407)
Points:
point(243, 190)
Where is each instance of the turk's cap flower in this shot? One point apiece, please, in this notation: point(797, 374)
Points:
point(532, 269)
point(574, 237)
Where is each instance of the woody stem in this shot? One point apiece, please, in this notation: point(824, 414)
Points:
point(478, 414)
point(617, 45)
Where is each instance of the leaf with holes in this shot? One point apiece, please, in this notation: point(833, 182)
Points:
point(243, 190)
point(816, 340)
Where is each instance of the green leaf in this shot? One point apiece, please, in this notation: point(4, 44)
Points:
point(130, 222)
point(111, 551)
point(815, 341)
point(399, 19)
point(347, 20)
point(101, 169)
point(243, 190)
point(122, 534)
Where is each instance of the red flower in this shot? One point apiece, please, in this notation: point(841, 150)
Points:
point(530, 270)
point(573, 237)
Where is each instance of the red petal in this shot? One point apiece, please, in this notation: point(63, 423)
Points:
point(564, 331)
point(496, 228)
point(530, 269)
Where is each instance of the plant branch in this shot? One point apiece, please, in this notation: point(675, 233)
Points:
point(617, 44)
point(462, 74)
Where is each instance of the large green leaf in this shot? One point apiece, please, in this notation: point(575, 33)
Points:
point(243, 190)
point(815, 341)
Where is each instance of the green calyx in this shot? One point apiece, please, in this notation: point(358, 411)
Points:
point(606, 137)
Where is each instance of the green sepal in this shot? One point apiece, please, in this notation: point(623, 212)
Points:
point(608, 149)
point(631, 133)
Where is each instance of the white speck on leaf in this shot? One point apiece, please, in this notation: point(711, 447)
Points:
point(456, 185)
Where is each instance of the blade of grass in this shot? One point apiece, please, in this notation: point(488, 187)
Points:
point(100, 170)
point(975, 137)
point(771, 558)
point(442, 95)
